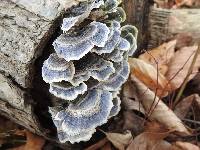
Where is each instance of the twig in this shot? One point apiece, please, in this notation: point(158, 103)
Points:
point(192, 121)
point(168, 83)
point(150, 109)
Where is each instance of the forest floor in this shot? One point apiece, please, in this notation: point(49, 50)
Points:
point(160, 107)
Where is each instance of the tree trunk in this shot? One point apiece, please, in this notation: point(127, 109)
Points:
point(137, 14)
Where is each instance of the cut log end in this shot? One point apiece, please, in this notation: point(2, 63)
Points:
point(165, 24)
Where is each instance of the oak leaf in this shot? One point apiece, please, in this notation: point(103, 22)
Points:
point(98, 145)
point(160, 56)
point(153, 79)
point(151, 138)
point(157, 110)
point(120, 141)
point(184, 146)
point(130, 100)
point(180, 64)
point(34, 142)
point(183, 107)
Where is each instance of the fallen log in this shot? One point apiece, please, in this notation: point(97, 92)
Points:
point(26, 30)
point(164, 24)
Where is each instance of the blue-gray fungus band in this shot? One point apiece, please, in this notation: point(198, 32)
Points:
point(88, 68)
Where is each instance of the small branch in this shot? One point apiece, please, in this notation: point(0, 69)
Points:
point(192, 121)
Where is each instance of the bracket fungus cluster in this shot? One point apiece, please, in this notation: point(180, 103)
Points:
point(88, 68)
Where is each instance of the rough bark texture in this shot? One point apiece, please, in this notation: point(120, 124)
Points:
point(23, 35)
point(25, 29)
point(165, 24)
point(15, 105)
point(137, 14)
point(49, 9)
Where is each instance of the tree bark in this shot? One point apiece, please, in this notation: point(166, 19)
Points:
point(23, 36)
point(137, 14)
point(165, 24)
point(47, 9)
point(13, 105)
point(27, 29)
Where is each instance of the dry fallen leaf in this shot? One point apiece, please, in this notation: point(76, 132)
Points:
point(133, 122)
point(98, 145)
point(151, 138)
point(144, 142)
point(149, 76)
point(157, 110)
point(196, 108)
point(183, 40)
point(130, 104)
point(8, 133)
point(34, 142)
point(120, 141)
point(130, 100)
point(164, 3)
point(156, 127)
point(184, 146)
point(180, 3)
point(184, 106)
point(129, 90)
point(177, 3)
point(107, 146)
point(180, 64)
point(160, 56)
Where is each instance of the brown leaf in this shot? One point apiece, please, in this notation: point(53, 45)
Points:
point(130, 104)
point(180, 64)
point(184, 106)
point(149, 76)
point(189, 3)
point(120, 141)
point(151, 139)
point(98, 145)
point(180, 3)
point(7, 125)
point(34, 142)
point(157, 110)
point(143, 142)
point(130, 100)
point(183, 40)
point(8, 132)
point(160, 56)
point(133, 122)
point(164, 3)
point(156, 130)
point(129, 90)
point(107, 146)
point(196, 107)
point(184, 146)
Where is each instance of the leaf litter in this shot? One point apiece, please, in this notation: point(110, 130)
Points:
point(146, 113)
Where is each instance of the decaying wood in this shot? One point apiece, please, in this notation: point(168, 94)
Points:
point(137, 14)
point(49, 9)
point(23, 35)
point(164, 24)
point(26, 26)
point(14, 105)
